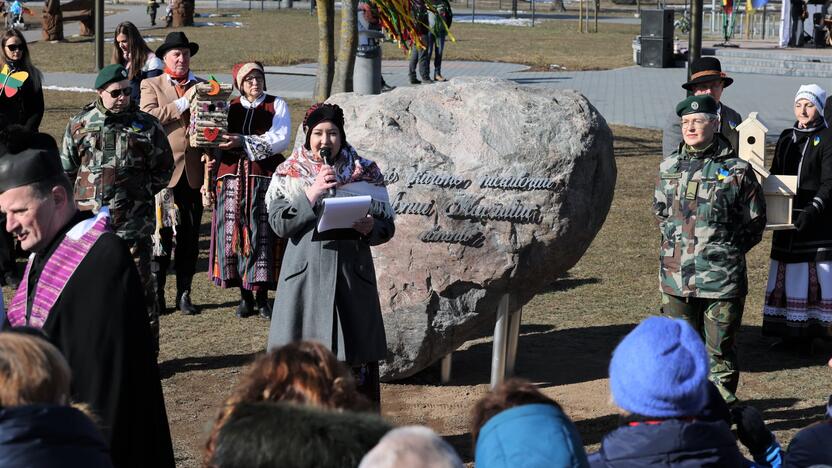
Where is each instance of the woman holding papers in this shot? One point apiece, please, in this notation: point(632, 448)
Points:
point(798, 303)
point(327, 288)
point(245, 253)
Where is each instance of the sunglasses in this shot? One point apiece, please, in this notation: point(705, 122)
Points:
point(14, 47)
point(120, 92)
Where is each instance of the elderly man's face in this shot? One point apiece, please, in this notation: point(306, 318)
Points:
point(178, 60)
point(711, 88)
point(31, 218)
point(697, 130)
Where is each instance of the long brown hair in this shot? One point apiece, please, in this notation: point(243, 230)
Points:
point(136, 47)
point(32, 371)
point(34, 74)
point(303, 372)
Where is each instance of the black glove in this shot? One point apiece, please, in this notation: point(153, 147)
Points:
point(806, 218)
point(751, 429)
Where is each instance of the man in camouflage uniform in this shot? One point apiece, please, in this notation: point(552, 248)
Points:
point(711, 211)
point(119, 157)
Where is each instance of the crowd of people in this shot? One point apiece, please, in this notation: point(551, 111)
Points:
point(105, 213)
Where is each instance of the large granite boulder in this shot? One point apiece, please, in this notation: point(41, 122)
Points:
point(498, 188)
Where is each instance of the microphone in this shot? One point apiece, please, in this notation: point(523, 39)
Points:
point(326, 153)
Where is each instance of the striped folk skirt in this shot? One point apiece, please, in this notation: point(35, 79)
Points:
point(798, 300)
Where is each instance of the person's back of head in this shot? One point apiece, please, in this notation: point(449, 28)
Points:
point(411, 447)
point(37, 425)
point(810, 447)
point(303, 372)
point(32, 371)
point(289, 435)
point(516, 425)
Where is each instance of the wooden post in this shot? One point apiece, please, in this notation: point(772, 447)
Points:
point(99, 34)
point(499, 348)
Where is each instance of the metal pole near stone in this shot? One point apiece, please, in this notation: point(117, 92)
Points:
point(695, 35)
point(498, 352)
point(513, 340)
point(366, 76)
point(473, 10)
point(99, 34)
point(445, 368)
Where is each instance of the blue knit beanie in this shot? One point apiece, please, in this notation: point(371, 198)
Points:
point(660, 369)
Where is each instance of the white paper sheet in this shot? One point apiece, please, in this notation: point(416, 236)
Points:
point(343, 212)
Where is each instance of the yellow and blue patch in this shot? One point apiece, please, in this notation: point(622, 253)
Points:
point(722, 173)
point(816, 140)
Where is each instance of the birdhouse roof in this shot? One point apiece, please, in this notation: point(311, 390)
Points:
point(752, 121)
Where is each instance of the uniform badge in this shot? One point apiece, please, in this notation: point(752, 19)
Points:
point(694, 105)
point(733, 125)
point(136, 126)
point(816, 140)
point(722, 173)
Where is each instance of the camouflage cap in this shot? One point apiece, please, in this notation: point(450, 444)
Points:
point(697, 104)
point(110, 74)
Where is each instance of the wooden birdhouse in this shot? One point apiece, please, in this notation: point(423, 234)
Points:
point(779, 190)
point(209, 114)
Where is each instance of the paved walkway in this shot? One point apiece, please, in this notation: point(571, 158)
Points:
point(641, 97)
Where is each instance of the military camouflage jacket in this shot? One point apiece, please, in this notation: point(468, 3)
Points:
point(118, 160)
point(711, 211)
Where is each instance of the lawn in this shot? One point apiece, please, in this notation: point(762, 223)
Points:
point(568, 332)
point(290, 37)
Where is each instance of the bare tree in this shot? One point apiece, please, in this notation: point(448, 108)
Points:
point(346, 53)
point(183, 13)
point(557, 5)
point(326, 48)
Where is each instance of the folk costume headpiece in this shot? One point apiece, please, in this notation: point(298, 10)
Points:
point(241, 70)
point(706, 70)
point(323, 112)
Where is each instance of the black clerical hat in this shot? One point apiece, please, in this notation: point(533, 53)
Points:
point(40, 161)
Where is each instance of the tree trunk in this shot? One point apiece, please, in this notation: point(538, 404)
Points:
point(346, 53)
point(326, 48)
point(53, 22)
point(183, 13)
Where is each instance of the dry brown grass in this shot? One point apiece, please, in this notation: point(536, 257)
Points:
point(290, 37)
point(567, 333)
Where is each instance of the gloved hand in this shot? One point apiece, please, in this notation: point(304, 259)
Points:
point(751, 429)
point(806, 218)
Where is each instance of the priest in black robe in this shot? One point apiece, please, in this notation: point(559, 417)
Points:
point(95, 314)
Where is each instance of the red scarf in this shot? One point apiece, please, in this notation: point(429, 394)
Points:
point(181, 81)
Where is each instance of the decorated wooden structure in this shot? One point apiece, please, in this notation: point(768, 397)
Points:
point(779, 190)
point(209, 114)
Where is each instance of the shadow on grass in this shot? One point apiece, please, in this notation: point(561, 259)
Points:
point(755, 354)
point(784, 417)
point(175, 366)
point(629, 146)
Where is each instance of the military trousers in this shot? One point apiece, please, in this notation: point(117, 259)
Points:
point(141, 251)
point(718, 322)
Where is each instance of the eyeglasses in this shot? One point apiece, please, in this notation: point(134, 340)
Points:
point(120, 92)
point(697, 123)
point(14, 47)
point(254, 77)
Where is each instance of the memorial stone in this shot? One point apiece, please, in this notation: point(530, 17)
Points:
point(498, 188)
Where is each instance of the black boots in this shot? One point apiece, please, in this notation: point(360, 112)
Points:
point(263, 308)
point(246, 307)
point(249, 305)
point(183, 297)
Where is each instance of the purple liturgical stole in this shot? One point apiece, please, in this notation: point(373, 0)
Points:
point(56, 273)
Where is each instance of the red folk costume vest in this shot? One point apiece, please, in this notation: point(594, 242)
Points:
point(56, 273)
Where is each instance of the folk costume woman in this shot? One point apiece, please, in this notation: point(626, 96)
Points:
point(799, 293)
point(327, 288)
point(245, 252)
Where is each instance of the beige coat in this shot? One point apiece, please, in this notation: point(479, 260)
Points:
point(158, 96)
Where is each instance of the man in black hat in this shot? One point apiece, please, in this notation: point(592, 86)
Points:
point(82, 289)
point(706, 77)
point(167, 97)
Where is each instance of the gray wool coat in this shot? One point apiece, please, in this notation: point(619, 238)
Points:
point(326, 290)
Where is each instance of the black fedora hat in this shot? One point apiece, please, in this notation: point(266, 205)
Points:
point(704, 70)
point(176, 40)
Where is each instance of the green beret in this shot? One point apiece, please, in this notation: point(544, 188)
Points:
point(110, 74)
point(696, 105)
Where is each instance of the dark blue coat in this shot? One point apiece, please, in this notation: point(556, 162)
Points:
point(45, 436)
point(673, 443)
point(811, 446)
